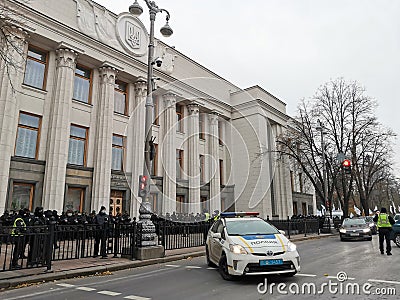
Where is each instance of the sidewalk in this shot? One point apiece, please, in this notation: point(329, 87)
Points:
point(89, 266)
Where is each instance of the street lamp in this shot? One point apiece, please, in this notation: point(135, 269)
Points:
point(321, 129)
point(145, 208)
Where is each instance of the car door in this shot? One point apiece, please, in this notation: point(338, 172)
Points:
point(217, 244)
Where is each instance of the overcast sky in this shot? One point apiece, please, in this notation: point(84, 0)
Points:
point(291, 47)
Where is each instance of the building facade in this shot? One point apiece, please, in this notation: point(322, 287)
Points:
point(72, 122)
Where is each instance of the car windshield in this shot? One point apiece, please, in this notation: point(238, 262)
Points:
point(249, 227)
point(350, 222)
point(369, 219)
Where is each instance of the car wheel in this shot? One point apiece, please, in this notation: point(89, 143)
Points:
point(223, 268)
point(209, 262)
point(397, 239)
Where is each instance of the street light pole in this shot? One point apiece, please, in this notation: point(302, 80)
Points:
point(145, 207)
point(325, 183)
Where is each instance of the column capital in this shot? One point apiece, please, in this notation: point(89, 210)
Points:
point(214, 117)
point(107, 75)
point(169, 99)
point(66, 58)
point(193, 108)
point(140, 87)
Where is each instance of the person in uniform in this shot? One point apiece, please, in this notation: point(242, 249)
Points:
point(17, 235)
point(384, 224)
point(101, 237)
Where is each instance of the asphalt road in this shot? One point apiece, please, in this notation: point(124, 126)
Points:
point(321, 261)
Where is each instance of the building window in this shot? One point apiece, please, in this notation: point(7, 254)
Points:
point(202, 168)
point(120, 98)
point(82, 84)
point(292, 180)
point(116, 198)
point(77, 145)
point(220, 133)
point(295, 211)
point(118, 150)
point(301, 182)
point(27, 135)
point(202, 134)
point(179, 118)
point(180, 204)
point(74, 199)
point(156, 110)
point(221, 171)
point(22, 196)
point(179, 164)
point(35, 70)
point(205, 204)
point(154, 166)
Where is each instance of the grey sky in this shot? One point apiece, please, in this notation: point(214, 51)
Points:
point(291, 47)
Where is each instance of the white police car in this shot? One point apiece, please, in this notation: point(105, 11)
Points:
point(244, 244)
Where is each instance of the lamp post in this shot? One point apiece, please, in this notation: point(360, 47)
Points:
point(148, 235)
point(321, 129)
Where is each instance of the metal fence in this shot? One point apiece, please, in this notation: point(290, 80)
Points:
point(297, 226)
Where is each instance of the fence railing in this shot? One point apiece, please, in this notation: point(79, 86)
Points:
point(297, 226)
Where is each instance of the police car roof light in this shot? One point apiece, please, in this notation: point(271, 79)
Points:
point(238, 214)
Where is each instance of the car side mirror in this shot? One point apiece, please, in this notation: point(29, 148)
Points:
point(282, 232)
point(216, 235)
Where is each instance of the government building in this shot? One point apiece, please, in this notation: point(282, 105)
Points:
point(72, 120)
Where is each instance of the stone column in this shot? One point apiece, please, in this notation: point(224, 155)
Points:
point(215, 184)
point(11, 74)
point(168, 154)
point(136, 127)
point(104, 133)
point(194, 159)
point(59, 128)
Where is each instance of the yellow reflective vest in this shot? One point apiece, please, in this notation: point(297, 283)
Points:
point(16, 231)
point(383, 221)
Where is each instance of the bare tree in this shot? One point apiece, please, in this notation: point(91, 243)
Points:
point(11, 54)
point(351, 130)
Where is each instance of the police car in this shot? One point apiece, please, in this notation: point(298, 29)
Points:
point(240, 243)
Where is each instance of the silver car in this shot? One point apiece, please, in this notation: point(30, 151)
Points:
point(355, 229)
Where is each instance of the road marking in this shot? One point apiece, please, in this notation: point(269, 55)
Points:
point(193, 267)
point(383, 281)
point(109, 293)
point(172, 266)
point(65, 285)
point(136, 298)
point(34, 294)
point(210, 268)
point(306, 275)
point(84, 288)
point(335, 277)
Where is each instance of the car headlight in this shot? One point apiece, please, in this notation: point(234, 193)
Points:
point(366, 230)
point(291, 247)
point(342, 230)
point(371, 224)
point(237, 249)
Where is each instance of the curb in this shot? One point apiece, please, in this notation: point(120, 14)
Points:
point(50, 276)
point(45, 277)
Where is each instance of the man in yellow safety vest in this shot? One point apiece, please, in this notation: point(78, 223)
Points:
point(384, 224)
point(17, 235)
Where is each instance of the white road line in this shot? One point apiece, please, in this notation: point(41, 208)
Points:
point(109, 293)
point(383, 281)
point(172, 266)
point(335, 277)
point(306, 275)
point(210, 268)
point(65, 285)
point(34, 294)
point(136, 298)
point(193, 267)
point(84, 288)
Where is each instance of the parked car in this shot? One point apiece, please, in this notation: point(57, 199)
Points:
point(355, 228)
point(396, 217)
point(396, 233)
point(372, 225)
